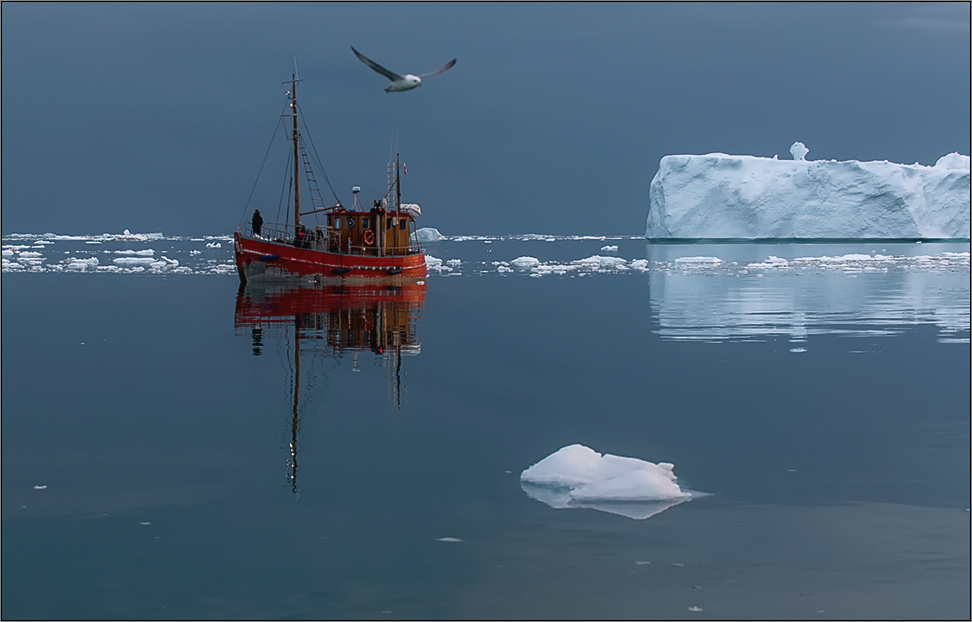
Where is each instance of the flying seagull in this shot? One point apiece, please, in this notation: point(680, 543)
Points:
point(399, 83)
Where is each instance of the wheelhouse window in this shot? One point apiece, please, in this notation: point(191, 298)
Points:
point(403, 224)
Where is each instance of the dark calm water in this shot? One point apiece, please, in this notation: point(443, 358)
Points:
point(820, 394)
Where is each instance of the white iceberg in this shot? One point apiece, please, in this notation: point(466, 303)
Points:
point(579, 477)
point(722, 197)
point(428, 234)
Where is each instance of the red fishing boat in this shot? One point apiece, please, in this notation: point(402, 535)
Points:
point(346, 245)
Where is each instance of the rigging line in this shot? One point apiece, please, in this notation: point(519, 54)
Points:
point(287, 175)
point(319, 163)
point(246, 207)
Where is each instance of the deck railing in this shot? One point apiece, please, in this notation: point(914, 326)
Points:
point(284, 234)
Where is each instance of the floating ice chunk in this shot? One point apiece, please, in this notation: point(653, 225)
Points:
point(693, 608)
point(78, 264)
point(40, 487)
point(699, 260)
point(449, 539)
point(455, 263)
point(603, 263)
point(30, 254)
point(132, 262)
point(525, 263)
point(428, 234)
point(770, 262)
point(434, 263)
point(798, 350)
point(148, 252)
point(8, 253)
point(799, 151)
point(213, 245)
point(578, 476)
point(610, 248)
point(639, 264)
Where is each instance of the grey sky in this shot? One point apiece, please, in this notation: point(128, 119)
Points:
point(155, 117)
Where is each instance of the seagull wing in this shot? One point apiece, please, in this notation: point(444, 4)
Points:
point(446, 68)
point(391, 75)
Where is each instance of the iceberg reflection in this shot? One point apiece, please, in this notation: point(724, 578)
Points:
point(719, 292)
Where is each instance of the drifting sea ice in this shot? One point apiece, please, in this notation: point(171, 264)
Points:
point(579, 477)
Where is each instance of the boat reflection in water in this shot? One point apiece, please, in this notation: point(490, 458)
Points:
point(330, 321)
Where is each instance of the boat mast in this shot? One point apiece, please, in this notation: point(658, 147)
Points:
point(398, 184)
point(293, 105)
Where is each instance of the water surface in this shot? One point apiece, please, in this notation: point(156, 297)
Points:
point(149, 434)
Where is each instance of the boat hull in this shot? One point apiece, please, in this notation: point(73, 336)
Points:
point(262, 259)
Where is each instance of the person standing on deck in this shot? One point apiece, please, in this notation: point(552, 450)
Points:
point(257, 222)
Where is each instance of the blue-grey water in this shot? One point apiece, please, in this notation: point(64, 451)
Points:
point(818, 393)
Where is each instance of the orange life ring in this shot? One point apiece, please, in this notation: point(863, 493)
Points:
point(369, 237)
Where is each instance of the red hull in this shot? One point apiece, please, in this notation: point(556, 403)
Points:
point(264, 259)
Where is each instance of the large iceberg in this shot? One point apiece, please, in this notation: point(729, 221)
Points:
point(728, 197)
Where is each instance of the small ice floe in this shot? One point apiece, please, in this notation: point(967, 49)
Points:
point(449, 539)
point(525, 263)
point(213, 245)
point(798, 350)
point(148, 252)
point(434, 263)
point(694, 608)
point(610, 248)
point(145, 523)
point(133, 262)
point(455, 263)
point(601, 264)
point(769, 263)
point(579, 477)
point(43, 487)
point(698, 260)
point(76, 264)
point(642, 563)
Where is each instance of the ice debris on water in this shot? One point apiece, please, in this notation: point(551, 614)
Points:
point(576, 476)
point(693, 608)
point(40, 487)
point(449, 539)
